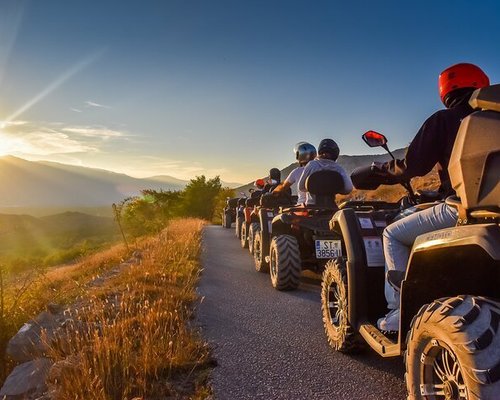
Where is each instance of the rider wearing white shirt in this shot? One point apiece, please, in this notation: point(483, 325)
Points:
point(328, 151)
point(304, 152)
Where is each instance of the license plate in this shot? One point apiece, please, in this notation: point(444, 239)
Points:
point(328, 248)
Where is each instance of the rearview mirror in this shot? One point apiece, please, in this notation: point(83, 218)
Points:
point(374, 139)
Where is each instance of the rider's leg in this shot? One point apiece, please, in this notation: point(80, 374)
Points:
point(400, 235)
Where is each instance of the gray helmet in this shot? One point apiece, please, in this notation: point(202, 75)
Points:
point(304, 152)
point(329, 148)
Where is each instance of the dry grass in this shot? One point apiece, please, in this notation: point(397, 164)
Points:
point(131, 336)
point(25, 295)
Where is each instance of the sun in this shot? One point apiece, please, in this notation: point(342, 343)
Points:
point(6, 143)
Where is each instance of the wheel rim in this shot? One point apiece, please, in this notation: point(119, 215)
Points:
point(273, 266)
point(256, 249)
point(335, 304)
point(441, 373)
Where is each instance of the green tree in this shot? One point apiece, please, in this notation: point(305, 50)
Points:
point(199, 197)
point(150, 212)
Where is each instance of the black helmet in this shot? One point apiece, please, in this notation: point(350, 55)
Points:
point(329, 148)
point(275, 173)
point(304, 152)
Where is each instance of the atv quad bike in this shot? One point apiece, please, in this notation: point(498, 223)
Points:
point(229, 212)
point(260, 229)
point(449, 330)
point(240, 216)
point(300, 236)
point(248, 219)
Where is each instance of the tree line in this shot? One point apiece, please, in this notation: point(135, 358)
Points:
point(149, 213)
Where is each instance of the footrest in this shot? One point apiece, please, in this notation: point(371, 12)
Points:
point(379, 342)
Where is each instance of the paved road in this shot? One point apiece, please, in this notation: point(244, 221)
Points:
point(270, 344)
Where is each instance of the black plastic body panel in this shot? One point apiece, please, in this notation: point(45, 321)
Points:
point(451, 263)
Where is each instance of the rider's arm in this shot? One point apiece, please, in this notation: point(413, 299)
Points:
point(301, 185)
point(424, 150)
point(281, 187)
point(347, 181)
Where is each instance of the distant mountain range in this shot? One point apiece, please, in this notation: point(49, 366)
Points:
point(48, 184)
point(349, 163)
point(42, 184)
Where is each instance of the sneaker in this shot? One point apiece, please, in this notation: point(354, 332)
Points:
point(390, 322)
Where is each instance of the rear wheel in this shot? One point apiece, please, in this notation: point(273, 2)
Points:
point(334, 301)
point(285, 262)
point(239, 221)
point(243, 236)
point(254, 228)
point(258, 254)
point(453, 350)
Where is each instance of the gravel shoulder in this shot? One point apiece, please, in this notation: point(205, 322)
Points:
point(270, 344)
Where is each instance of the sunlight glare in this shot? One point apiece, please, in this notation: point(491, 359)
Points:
point(79, 66)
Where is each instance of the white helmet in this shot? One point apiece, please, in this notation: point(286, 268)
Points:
point(304, 152)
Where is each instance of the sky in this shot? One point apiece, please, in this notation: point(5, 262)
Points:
point(221, 87)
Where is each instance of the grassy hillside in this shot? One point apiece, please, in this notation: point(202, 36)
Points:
point(26, 241)
point(133, 337)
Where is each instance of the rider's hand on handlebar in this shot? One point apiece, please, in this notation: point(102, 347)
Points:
point(379, 167)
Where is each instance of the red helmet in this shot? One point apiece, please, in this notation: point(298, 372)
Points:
point(459, 76)
point(260, 183)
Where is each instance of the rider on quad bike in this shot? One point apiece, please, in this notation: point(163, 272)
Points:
point(247, 209)
point(449, 301)
point(240, 211)
point(328, 152)
point(273, 180)
point(304, 152)
point(300, 235)
point(432, 145)
point(270, 203)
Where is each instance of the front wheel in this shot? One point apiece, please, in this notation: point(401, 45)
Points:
point(453, 350)
point(285, 264)
point(261, 264)
point(243, 235)
point(334, 301)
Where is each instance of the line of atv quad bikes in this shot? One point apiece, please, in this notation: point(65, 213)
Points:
point(449, 330)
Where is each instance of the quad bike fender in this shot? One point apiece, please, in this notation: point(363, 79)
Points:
point(281, 225)
point(463, 260)
point(345, 222)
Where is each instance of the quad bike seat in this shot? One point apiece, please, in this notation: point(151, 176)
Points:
point(324, 185)
point(268, 200)
point(253, 201)
point(474, 166)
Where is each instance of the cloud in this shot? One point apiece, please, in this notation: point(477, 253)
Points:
point(28, 138)
point(34, 140)
point(98, 132)
point(76, 110)
point(89, 103)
